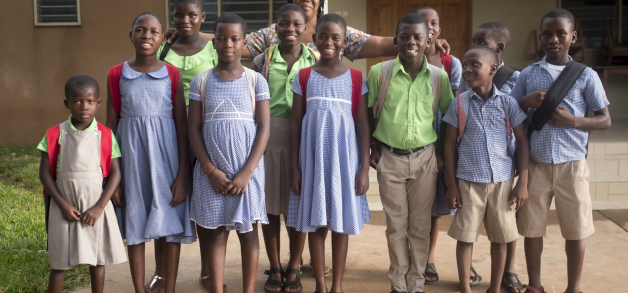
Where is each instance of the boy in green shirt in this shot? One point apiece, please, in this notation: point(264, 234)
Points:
point(279, 65)
point(402, 148)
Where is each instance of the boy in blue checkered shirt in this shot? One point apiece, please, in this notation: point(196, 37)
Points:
point(481, 122)
point(558, 167)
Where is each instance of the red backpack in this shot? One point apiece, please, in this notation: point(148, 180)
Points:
point(115, 73)
point(52, 139)
point(446, 59)
point(356, 94)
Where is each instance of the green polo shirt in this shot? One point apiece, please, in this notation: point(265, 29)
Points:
point(406, 118)
point(42, 147)
point(280, 81)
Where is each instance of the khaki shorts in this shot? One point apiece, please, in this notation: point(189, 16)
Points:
point(569, 184)
point(488, 203)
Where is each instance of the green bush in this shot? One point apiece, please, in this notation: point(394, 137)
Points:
point(24, 262)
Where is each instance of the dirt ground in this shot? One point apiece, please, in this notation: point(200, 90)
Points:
point(606, 261)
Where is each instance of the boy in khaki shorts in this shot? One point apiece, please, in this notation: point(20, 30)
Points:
point(481, 122)
point(402, 148)
point(558, 148)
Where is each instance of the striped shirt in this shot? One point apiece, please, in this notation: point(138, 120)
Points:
point(554, 144)
point(483, 152)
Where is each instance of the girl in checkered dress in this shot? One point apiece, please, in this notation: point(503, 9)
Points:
point(329, 155)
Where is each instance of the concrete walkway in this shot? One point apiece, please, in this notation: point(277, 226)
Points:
point(606, 261)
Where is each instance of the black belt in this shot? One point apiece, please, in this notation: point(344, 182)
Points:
point(401, 152)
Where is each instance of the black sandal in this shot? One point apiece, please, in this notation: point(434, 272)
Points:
point(475, 280)
point(296, 282)
point(512, 286)
point(433, 274)
point(272, 282)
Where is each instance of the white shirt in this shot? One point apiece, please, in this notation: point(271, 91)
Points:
point(555, 70)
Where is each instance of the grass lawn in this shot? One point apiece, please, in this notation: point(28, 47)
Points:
point(23, 257)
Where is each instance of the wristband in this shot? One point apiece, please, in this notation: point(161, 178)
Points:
point(211, 170)
point(210, 163)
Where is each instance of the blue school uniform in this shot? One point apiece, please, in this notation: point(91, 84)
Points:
point(150, 162)
point(553, 144)
point(229, 131)
point(328, 159)
point(483, 151)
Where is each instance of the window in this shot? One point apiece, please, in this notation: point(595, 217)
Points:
point(593, 15)
point(57, 12)
point(257, 13)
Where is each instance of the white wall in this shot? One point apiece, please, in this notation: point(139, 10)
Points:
point(356, 18)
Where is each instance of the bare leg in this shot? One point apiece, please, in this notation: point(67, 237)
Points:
point(160, 263)
point(272, 241)
point(317, 255)
point(97, 274)
point(297, 243)
point(216, 253)
point(173, 252)
point(498, 261)
point(510, 265)
point(463, 258)
point(55, 281)
point(202, 243)
point(575, 259)
point(534, 249)
point(137, 262)
point(249, 250)
point(339, 246)
point(433, 238)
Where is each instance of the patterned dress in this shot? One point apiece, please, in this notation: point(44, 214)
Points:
point(328, 160)
point(229, 131)
point(150, 160)
point(262, 39)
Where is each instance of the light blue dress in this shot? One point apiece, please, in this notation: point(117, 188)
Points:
point(150, 160)
point(328, 159)
point(229, 131)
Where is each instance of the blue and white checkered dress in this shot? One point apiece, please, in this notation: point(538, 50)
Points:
point(328, 159)
point(229, 132)
point(553, 144)
point(483, 152)
point(150, 161)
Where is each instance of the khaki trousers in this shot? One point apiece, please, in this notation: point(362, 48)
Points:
point(407, 186)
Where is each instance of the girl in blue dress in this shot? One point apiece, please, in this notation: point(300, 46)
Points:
point(151, 129)
point(229, 128)
point(329, 157)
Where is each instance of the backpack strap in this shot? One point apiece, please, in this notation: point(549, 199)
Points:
point(115, 73)
point(555, 95)
point(463, 109)
point(446, 59)
point(384, 81)
point(509, 148)
point(52, 140)
point(304, 76)
point(268, 54)
point(164, 51)
point(201, 82)
point(173, 73)
point(106, 143)
point(356, 93)
point(251, 78)
point(502, 75)
point(315, 54)
point(435, 81)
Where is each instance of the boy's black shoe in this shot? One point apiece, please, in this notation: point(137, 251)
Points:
point(395, 291)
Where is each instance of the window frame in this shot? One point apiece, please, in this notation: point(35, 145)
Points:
point(38, 23)
point(271, 11)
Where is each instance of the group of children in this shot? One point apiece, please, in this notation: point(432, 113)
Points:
point(292, 137)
